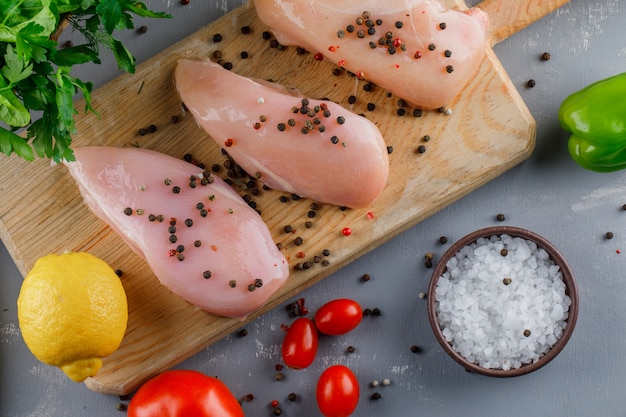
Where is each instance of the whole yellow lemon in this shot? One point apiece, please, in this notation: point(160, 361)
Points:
point(72, 311)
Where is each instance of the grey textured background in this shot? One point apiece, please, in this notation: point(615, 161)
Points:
point(548, 194)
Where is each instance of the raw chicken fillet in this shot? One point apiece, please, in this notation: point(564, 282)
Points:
point(419, 50)
point(312, 148)
point(195, 232)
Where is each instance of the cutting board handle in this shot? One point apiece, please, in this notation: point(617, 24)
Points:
point(507, 17)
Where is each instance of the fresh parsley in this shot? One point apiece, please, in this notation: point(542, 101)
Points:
point(35, 74)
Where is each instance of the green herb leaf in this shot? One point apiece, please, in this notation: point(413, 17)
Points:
point(12, 111)
point(15, 69)
point(64, 99)
point(31, 11)
point(10, 142)
point(140, 9)
point(75, 55)
point(125, 60)
point(35, 75)
point(113, 15)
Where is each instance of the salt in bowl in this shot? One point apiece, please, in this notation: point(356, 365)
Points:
point(510, 292)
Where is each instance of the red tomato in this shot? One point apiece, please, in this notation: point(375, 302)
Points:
point(300, 344)
point(337, 392)
point(184, 393)
point(338, 316)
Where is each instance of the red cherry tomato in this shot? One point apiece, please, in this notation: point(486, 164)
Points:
point(300, 344)
point(184, 393)
point(338, 316)
point(337, 392)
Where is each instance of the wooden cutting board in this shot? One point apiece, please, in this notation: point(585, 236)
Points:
point(489, 131)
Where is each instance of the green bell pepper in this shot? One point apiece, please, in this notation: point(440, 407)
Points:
point(596, 117)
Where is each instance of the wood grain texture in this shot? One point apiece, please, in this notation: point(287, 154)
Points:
point(41, 210)
point(509, 17)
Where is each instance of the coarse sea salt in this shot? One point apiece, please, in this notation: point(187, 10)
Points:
point(501, 309)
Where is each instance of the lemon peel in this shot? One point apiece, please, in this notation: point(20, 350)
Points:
point(72, 311)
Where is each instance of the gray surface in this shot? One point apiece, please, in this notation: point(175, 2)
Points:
point(548, 194)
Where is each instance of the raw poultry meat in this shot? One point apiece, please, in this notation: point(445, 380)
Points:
point(195, 232)
point(419, 50)
point(312, 148)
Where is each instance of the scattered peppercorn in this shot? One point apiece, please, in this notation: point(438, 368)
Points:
point(350, 349)
point(376, 396)
point(504, 252)
point(389, 150)
point(416, 349)
point(217, 38)
point(546, 56)
point(507, 281)
point(526, 332)
point(142, 29)
point(442, 25)
point(443, 240)
point(500, 217)
point(531, 83)
point(245, 30)
point(366, 277)
point(244, 54)
point(609, 235)
point(292, 396)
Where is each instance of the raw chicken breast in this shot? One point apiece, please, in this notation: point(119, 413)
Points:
point(198, 236)
point(312, 148)
point(416, 49)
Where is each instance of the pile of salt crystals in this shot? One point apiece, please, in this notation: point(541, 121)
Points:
point(502, 309)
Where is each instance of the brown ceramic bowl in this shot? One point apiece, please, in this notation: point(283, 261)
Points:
point(568, 279)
